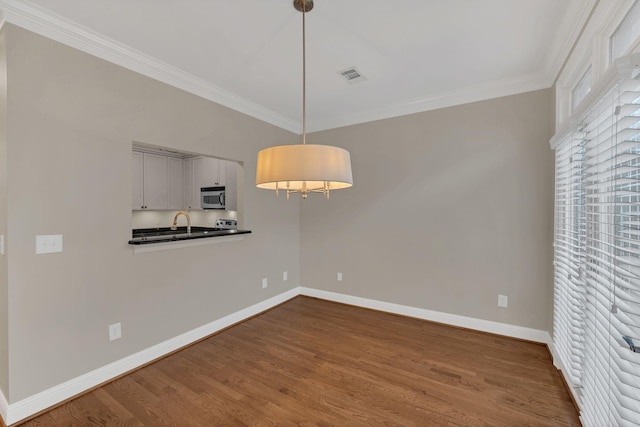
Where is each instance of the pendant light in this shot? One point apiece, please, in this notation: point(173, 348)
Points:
point(304, 168)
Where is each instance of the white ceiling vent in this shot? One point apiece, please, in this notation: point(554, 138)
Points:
point(352, 75)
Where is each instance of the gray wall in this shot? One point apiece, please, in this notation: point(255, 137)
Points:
point(449, 208)
point(4, 325)
point(72, 119)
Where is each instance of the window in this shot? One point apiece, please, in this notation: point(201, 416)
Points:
point(581, 90)
point(626, 33)
point(597, 257)
point(569, 245)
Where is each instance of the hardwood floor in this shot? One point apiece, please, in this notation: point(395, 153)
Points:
point(312, 362)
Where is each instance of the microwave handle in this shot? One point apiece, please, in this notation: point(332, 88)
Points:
point(222, 198)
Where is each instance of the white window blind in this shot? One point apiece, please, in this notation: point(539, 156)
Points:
point(597, 257)
point(569, 255)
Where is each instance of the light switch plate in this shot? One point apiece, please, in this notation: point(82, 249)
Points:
point(2, 244)
point(48, 244)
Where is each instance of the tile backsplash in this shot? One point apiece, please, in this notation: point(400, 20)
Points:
point(199, 218)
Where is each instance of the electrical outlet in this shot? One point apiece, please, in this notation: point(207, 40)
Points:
point(285, 276)
point(115, 331)
point(339, 277)
point(47, 244)
point(503, 301)
point(264, 283)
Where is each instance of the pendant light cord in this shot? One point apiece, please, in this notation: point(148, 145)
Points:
point(304, 76)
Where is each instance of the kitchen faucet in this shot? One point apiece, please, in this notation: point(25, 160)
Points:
point(174, 226)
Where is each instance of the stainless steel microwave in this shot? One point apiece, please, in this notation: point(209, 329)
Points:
point(212, 198)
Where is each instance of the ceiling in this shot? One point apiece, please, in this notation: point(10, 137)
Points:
point(416, 55)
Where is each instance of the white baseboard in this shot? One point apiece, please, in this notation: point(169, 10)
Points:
point(12, 413)
point(4, 406)
point(32, 405)
point(560, 366)
point(514, 331)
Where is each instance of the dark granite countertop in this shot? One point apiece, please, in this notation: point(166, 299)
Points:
point(144, 236)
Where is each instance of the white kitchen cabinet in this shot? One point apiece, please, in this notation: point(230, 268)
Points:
point(203, 171)
point(197, 171)
point(193, 171)
point(157, 182)
point(222, 174)
point(138, 198)
point(210, 172)
point(175, 184)
point(191, 193)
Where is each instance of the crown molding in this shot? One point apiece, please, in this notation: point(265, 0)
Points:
point(567, 36)
point(55, 27)
point(45, 23)
point(564, 42)
point(482, 92)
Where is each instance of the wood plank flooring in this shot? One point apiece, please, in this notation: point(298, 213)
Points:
point(310, 362)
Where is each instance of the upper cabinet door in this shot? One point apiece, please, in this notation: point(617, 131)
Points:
point(210, 171)
point(175, 190)
point(137, 195)
point(222, 175)
point(191, 198)
point(156, 181)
